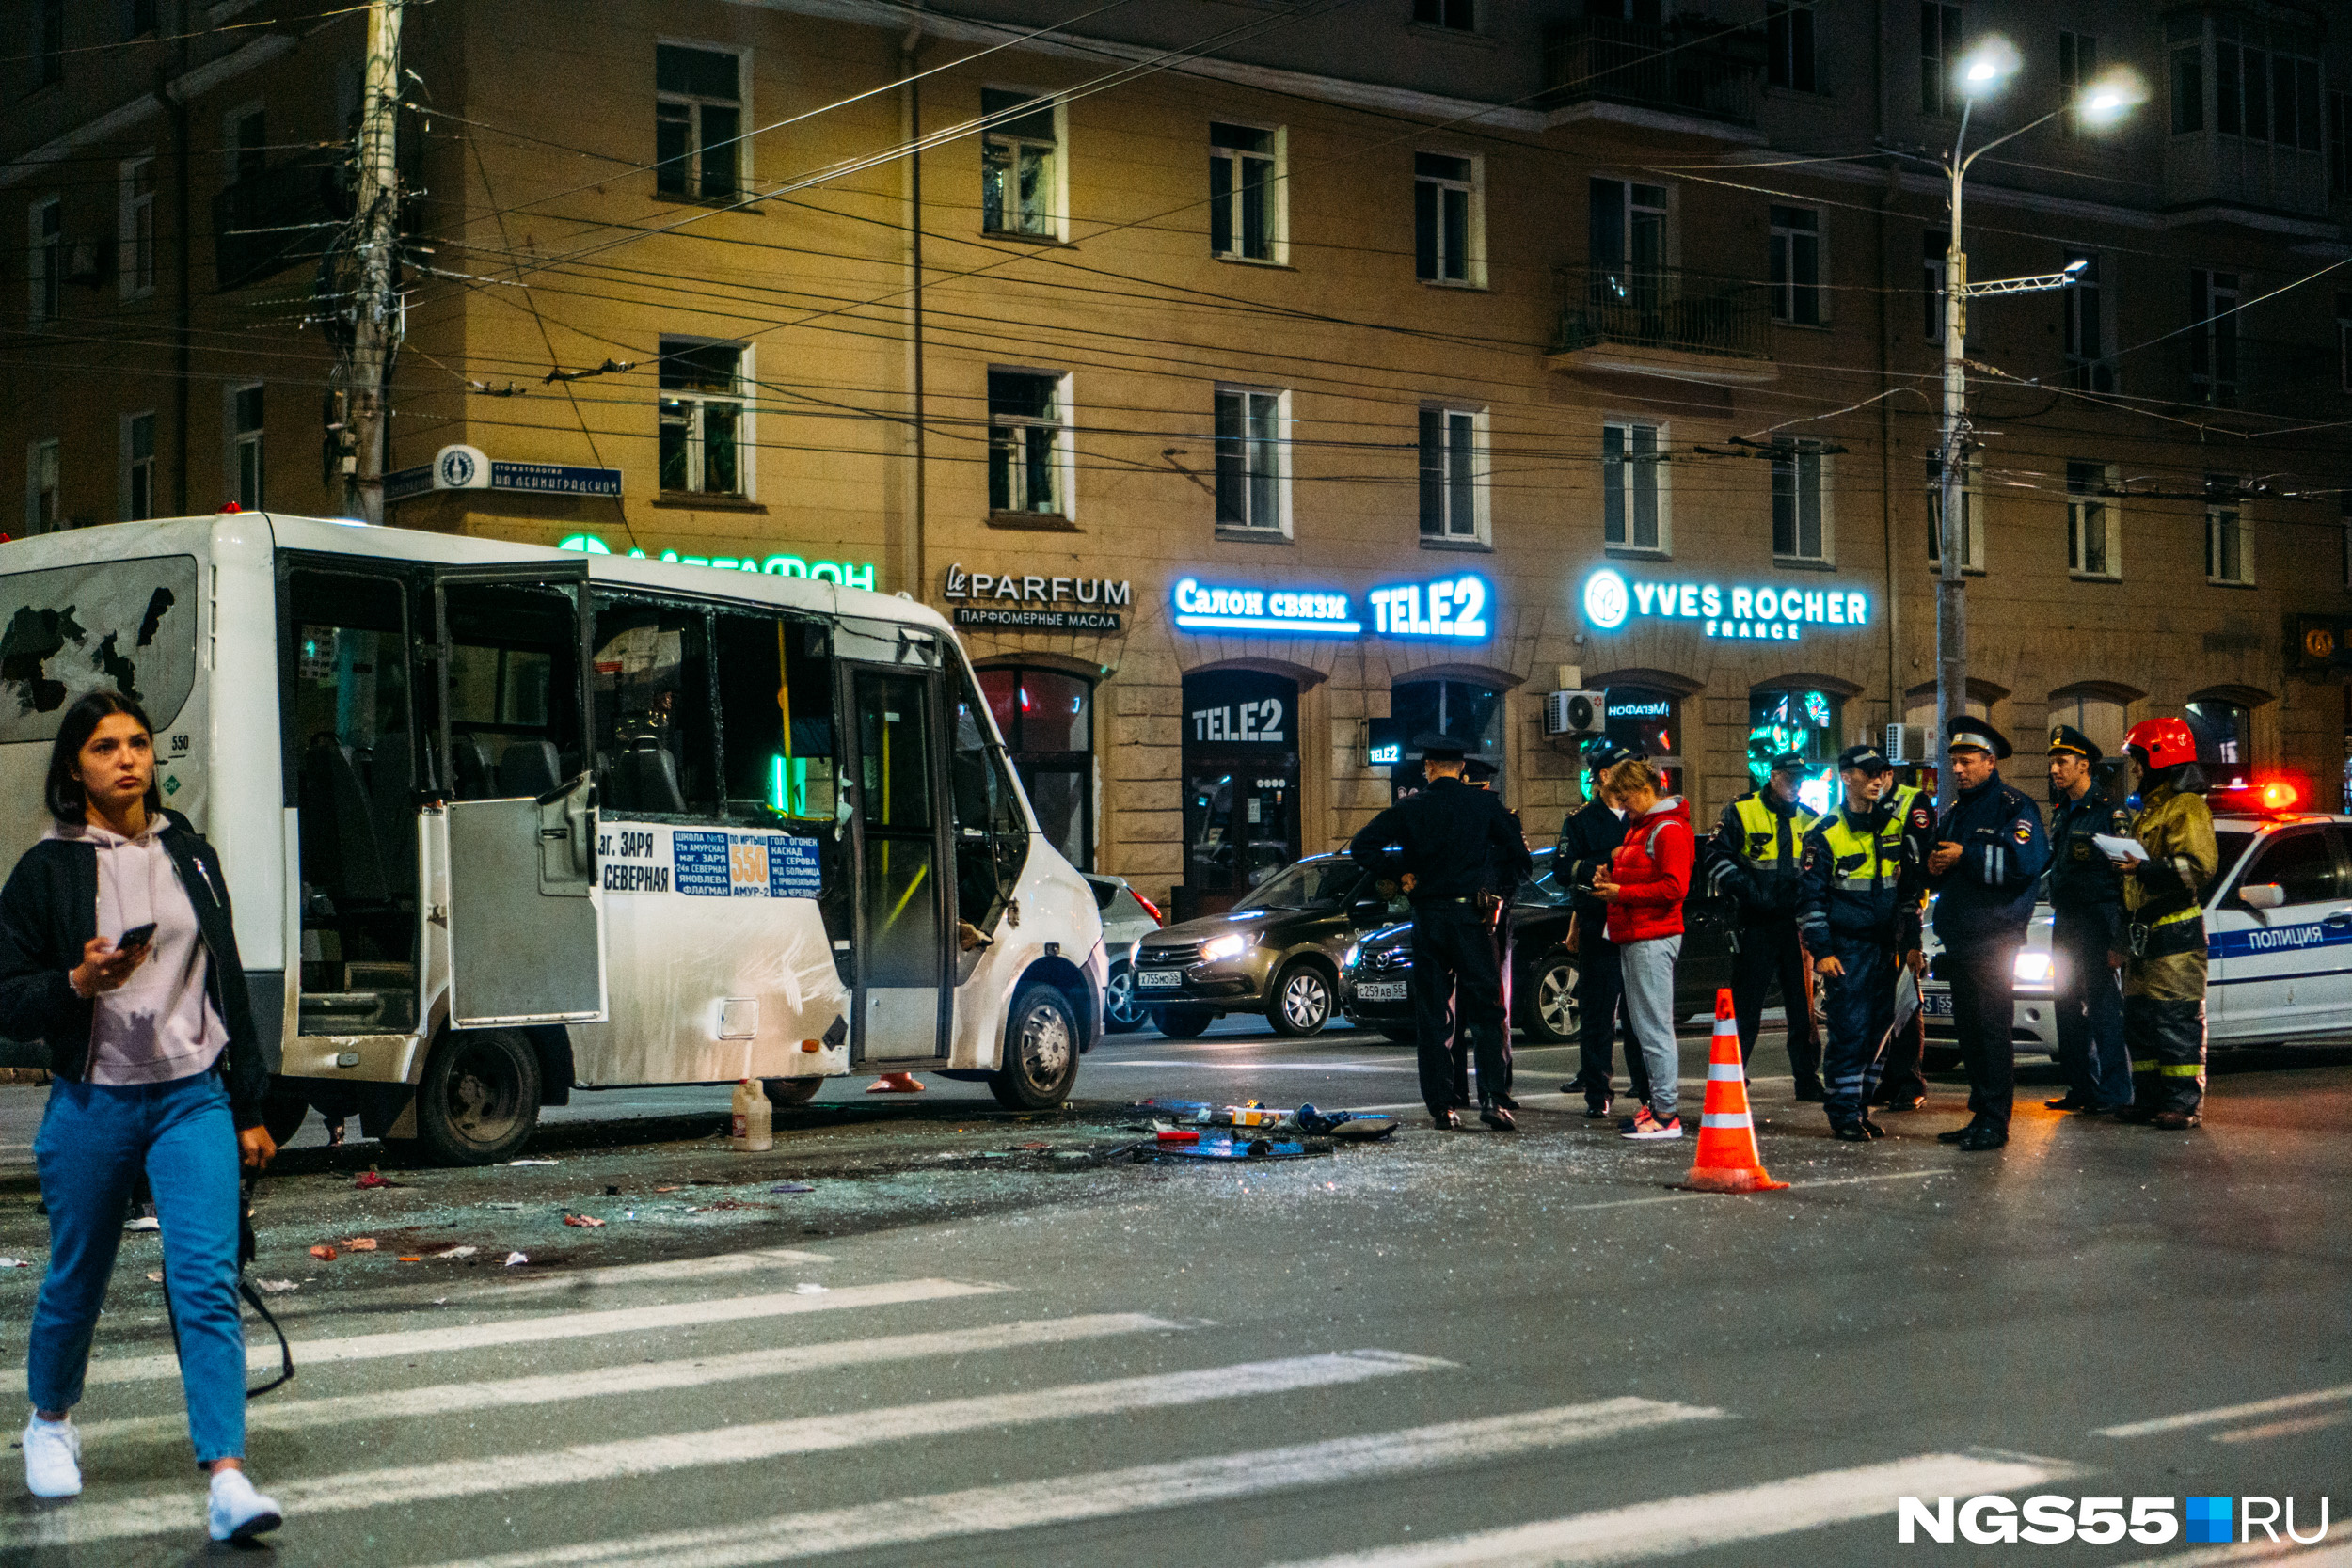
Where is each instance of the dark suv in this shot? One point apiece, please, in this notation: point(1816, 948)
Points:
point(1278, 951)
point(1376, 975)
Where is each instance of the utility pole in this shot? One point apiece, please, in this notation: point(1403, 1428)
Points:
point(374, 314)
point(1951, 597)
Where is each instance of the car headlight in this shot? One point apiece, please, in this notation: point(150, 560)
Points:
point(1347, 960)
point(2033, 968)
point(1224, 947)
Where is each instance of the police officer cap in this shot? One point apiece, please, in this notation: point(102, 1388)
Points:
point(1437, 746)
point(1789, 761)
point(1863, 759)
point(1603, 754)
point(1976, 735)
point(1478, 770)
point(2066, 738)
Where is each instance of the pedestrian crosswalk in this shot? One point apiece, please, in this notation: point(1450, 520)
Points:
point(709, 1428)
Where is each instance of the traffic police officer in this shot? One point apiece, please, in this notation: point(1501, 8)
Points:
point(1589, 837)
point(1480, 774)
point(1858, 898)
point(1900, 1086)
point(1755, 860)
point(2087, 935)
point(2164, 981)
point(1456, 843)
point(1985, 868)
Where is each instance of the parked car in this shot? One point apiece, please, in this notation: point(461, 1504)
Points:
point(1127, 917)
point(1378, 970)
point(1278, 951)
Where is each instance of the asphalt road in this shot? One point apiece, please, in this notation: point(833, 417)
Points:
point(973, 1338)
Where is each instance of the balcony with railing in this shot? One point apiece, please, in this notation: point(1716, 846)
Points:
point(1690, 66)
point(1664, 321)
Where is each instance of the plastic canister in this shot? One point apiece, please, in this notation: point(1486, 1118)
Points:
point(755, 1119)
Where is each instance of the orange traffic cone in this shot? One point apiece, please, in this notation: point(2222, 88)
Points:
point(1727, 1160)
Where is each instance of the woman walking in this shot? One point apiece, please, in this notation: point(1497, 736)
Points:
point(116, 950)
point(1649, 877)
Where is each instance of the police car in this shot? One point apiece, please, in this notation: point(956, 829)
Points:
point(2277, 934)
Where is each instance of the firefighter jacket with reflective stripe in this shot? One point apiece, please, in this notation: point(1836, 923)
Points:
point(1755, 853)
point(2164, 892)
point(1987, 896)
point(1859, 879)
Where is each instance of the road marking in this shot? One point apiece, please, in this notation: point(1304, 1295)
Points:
point(596, 1383)
point(1261, 1067)
point(1111, 1494)
point(706, 1447)
point(312, 1354)
point(2285, 1429)
point(2225, 1413)
point(1678, 1524)
point(502, 1286)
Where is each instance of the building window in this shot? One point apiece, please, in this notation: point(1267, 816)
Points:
point(1797, 297)
point(139, 18)
point(2088, 369)
point(2340, 142)
point(1245, 193)
point(1798, 719)
point(703, 418)
point(41, 504)
point(2077, 62)
point(2344, 342)
point(1628, 244)
point(2229, 552)
point(1019, 165)
point(1047, 719)
point(2225, 740)
point(2092, 547)
point(1252, 461)
point(1800, 515)
point(1452, 475)
point(1971, 517)
point(1455, 15)
point(1029, 456)
point(2213, 299)
point(44, 259)
point(1789, 43)
point(1446, 219)
point(138, 466)
point(246, 469)
point(1632, 467)
point(1939, 53)
point(245, 142)
point(2266, 82)
point(1647, 719)
point(1934, 248)
point(49, 41)
point(697, 122)
point(137, 225)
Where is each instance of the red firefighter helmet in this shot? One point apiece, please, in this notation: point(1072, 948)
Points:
point(2165, 742)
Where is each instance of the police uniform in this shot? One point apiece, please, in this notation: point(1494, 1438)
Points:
point(1984, 901)
point(1456, 842)
point(1478, 773)
point(1902, 1088)
point(1858, 898)
point(2087, 906)
point(1755, 856)
point(1589, 837)
point(2164, 981)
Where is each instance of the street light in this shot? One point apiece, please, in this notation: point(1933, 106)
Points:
point(1980, 73)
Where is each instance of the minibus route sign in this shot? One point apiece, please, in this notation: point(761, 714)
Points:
point(744, 865)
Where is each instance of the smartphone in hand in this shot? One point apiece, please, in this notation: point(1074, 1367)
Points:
point(135, 937)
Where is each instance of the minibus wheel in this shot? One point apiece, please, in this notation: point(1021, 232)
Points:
point(1040, 1050)
point(479, 1101)
point(790, 1091)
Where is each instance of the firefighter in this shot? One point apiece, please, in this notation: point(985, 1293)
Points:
point(2164, 975)
point(1858, 900)
point(1985, 868)
point(2087, 930)
point(1753, 859)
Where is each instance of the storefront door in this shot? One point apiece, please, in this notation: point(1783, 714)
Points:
point(1241, 786)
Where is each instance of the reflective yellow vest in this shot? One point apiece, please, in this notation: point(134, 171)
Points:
point(1865, 863)
point(1760, 827)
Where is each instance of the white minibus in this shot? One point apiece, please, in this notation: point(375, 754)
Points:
point(503, 822)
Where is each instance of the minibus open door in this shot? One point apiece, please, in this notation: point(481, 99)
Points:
point(524, 914)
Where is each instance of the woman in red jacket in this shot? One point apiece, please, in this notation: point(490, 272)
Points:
point(1647, 879)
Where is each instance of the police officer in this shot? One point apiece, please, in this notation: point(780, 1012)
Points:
point(1901, 1086)
point(2163, 982)
point(1755, 860)
point(1457, 843)
point(1480, 774)
point(2087, 935)
point(1985, 868)
point(1858, 898)
point(1589, 837)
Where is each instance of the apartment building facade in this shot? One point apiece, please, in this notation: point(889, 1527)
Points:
point(1258, 385)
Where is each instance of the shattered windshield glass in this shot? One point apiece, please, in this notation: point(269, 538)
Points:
point(128, 626)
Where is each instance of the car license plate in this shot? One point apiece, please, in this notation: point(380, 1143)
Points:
point(1936, 1004)
point(1151, 977)
point(1381, 991)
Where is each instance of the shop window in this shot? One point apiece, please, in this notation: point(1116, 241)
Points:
point(652, 729)
point(1245, 201)
point(1240, 785)
point(702, 417)
point(698, 122)
point(1047, 719)
point(775, 716)
point(1647, 720)
point(1469, 713)
point(2225, 740)
point(1798, 719)
point(1019, 165)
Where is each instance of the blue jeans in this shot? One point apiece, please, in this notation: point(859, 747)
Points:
point(93, 1140)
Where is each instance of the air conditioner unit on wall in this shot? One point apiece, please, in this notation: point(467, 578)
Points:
point(1907, 744)
point(1575, 713)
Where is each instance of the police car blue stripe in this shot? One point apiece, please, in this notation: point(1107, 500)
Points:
point(2259, 940)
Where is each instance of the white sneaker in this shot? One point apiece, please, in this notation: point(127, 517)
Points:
point(238, 1512)
point(52, 1458)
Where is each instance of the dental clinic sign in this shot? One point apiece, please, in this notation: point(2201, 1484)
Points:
point(1765, 613)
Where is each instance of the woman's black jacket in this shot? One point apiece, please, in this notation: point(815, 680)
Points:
point(49, 909)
